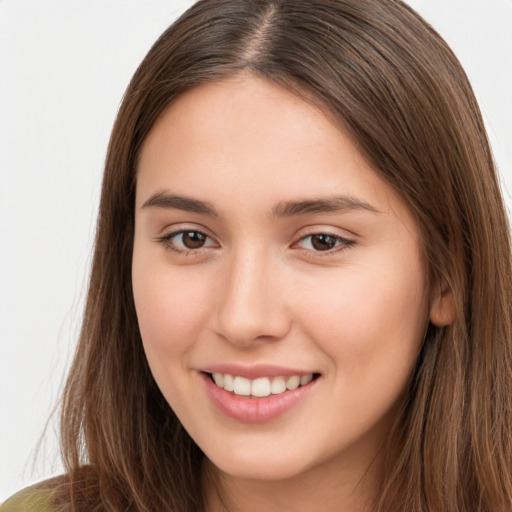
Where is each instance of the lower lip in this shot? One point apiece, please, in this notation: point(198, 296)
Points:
point(255, 410)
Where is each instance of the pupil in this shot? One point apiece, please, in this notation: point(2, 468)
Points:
point(193, 239)
point(323, 242)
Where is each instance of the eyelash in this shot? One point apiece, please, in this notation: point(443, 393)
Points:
point(341, 243)
point(167, 241)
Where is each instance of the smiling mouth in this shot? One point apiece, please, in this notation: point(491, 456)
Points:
point(262, 386)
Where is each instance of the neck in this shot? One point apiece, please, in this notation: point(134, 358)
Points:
point(316, 490)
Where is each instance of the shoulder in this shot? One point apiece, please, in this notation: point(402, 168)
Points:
point(30, 500)
point(37, 498)
point(63, 493)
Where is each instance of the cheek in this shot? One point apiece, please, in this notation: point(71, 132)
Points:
point(372, 323)
point(170, 310)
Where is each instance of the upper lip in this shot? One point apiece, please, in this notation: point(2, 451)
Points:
point(255, 371)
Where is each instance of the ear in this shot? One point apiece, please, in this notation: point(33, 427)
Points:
point(442, 305)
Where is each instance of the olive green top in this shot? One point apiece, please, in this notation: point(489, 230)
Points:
point(30, 499)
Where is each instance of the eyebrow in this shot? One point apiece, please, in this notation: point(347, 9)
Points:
point(176, 202)
point(313, 206)
point(321, 205)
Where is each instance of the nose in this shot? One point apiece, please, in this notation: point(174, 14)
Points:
point(252, 301)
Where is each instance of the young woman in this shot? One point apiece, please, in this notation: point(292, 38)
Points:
point(301, 291)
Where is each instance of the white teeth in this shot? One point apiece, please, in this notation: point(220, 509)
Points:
point(219, 379)
point(278, 385)
point(229, 383)
point(260, 387)
point(293, 382)
point(242, 386)
point(305, 379)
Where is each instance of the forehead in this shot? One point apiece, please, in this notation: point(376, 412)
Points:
point(222, 115)
point(248, 138)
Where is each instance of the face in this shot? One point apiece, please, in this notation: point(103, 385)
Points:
point(278, 282)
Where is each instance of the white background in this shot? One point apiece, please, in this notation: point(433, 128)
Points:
point(64, 65)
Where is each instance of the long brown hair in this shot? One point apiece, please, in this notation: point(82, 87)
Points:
point(389, 78)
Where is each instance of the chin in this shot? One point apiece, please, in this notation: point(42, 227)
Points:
point(269, 464)
point(259, 470)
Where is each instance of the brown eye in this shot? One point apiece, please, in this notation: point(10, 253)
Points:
point(183, 241)
point(193, 239)
point(323, 242)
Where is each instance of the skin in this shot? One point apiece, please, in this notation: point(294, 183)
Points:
point(260, 292)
